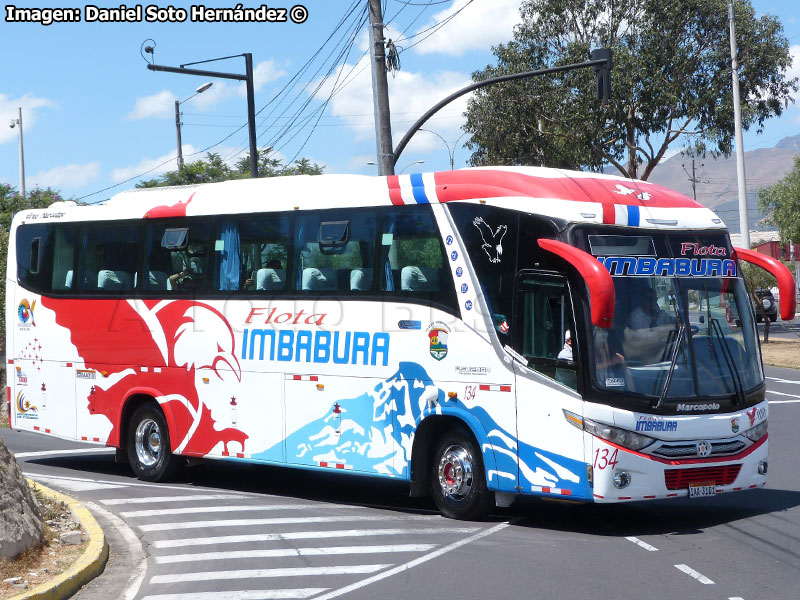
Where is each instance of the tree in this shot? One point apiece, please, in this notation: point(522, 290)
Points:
point(671, 80)
point(781, 204)
point(213, 168)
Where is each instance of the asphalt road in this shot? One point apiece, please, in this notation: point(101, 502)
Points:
point(230, 531)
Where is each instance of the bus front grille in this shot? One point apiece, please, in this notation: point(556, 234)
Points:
point(677, 479)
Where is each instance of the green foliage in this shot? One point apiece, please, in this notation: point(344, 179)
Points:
point(213, 168)
point(781, 204)
point(756, 277)
point(671, 79)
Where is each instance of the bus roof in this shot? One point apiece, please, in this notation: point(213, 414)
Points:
point(573, 196)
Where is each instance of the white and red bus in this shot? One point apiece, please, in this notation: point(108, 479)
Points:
point(412, 327)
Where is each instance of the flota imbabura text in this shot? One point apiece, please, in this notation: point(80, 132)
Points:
point(318, 346)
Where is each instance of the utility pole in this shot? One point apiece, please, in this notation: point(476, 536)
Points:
point(693, 179)
point(380, 90)
point(737, 115)
point(178, 130)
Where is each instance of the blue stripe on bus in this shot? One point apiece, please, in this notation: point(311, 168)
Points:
point(633, 216)
point(418, 188)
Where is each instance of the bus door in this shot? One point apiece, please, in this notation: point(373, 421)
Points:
point(551, 454)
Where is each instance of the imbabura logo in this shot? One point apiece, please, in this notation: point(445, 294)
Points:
point(317, 346)
point(648, 266)
point(438, 333)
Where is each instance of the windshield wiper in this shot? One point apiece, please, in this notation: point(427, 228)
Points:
point(738, 389)
point(675, 351)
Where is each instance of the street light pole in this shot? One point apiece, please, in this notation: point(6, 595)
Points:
point(199, 90)
point(247, 78)
point(18, 123)
point(450, 151)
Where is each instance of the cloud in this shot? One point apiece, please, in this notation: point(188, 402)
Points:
point(794, 70)
point(65, 176)
point(478, 26)
point(159, 165)
point(9, 110)
point(410, 95)
point(158, 105)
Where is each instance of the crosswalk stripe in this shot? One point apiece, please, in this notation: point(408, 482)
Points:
point(214, 509)
point(266, 573)
point(283, 552)
point(75, 486)
point(286, 594)
point(307, 535)
point(157, 499)
point(273, 521)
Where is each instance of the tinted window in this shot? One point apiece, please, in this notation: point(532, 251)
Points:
point(175, 261)
point(252, 253)
point(107, 257)
point(45, 256)
point(335, 251)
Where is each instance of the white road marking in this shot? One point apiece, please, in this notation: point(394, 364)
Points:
point(779, 380)
point(307, 535)
point(411, 564)
point(214, 509)
point(266, 573)
point(784, 402)
point(285, 594)
point(99, 449)
point(284, 552)
point(137, 554)
point(76, 486)
point(782, 394)
point(158, 486)
point(692, 573)
point(273, 521)
point(642, 544)
point(158, 499)
point(736, 598)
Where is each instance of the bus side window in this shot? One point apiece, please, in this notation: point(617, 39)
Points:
point(45, 256)
point(263, 253)
point(107, 257)
point(345, 264)
point(177, 255)
point(411, 253)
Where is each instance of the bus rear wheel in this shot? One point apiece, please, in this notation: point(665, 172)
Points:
point(458, 480)
point(149, 450)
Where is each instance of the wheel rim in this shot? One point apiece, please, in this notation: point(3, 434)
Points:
point(148, 443)
point(455, 473)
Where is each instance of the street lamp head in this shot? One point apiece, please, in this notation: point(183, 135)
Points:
point(13, 123)
point(204, 87)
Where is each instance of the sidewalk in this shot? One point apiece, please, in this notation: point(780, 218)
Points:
point(86, 568)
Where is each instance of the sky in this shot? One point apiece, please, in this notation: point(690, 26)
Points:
point(96, 120)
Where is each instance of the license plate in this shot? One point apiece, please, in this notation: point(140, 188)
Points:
point(701, 490)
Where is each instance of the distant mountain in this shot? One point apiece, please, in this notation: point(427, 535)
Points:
point(717, 185)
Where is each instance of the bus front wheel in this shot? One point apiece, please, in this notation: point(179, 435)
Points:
point(458, 480)
point(149, 451)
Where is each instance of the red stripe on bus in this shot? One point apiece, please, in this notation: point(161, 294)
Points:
point(609, 214)
point(394, 190)
point(11, 361)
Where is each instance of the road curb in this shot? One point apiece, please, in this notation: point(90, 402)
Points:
point(87, 567)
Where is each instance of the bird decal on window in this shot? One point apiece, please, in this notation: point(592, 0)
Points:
point(492, 239)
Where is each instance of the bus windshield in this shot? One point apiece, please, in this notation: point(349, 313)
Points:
point(682, 324)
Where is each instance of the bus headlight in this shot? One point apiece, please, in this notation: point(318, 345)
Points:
point(615, 435)
point(757, 432)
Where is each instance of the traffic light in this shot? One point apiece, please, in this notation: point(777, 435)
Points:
point(603, 73)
